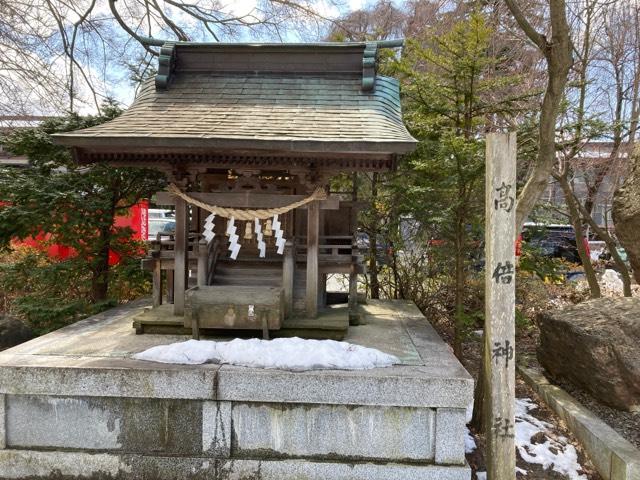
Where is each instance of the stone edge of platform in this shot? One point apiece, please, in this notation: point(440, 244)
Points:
point(108, 378)
point(614, 457)
point(442, 382)
point(40, 464)
point(343, 387)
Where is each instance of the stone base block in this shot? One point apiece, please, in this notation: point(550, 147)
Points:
point(334, 432)
point(237, 430)
point(19, 464)
point(75, 405)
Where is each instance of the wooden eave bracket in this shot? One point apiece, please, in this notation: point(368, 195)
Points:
point(369, 66)
point(166, 65)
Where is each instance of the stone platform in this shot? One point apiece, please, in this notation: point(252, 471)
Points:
point(74, 404)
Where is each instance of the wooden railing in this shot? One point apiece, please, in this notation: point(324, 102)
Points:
point(336, 253)
point(202, 257)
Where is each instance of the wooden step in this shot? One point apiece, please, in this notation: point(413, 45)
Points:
point(250, 260)
point(247, 273)
point(247, 281)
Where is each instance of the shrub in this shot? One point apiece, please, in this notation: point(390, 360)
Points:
point(50, 293)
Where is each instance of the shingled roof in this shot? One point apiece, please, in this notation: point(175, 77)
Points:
point(277, 98)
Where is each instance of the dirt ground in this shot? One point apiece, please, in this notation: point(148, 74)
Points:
point(526, 342)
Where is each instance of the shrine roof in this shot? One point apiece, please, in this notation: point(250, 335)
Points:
point(260, 97)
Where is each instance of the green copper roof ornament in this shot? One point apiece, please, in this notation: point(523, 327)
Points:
point(168, 54)
point(369, 66)
point(166, 65)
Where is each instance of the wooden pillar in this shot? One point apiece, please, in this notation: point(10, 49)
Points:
point(170, 286)
point(500, 278)
point(354, 317)
point(313, 224)
point(288, 275)
point(157, 279)
point(181, 261)
point(203, 257)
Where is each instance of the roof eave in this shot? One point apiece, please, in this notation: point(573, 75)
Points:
point(290, 145)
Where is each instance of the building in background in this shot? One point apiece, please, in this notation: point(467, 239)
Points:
point(137, 218)
point(587, 166)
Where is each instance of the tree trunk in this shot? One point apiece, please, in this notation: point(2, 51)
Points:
point(100, 272)
point(478, 418)
point(397, 289)
point(576, 221)
point(459, 290)
point(603, 235)
point(558, 53)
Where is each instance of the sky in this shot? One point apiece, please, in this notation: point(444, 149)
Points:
point(105, 49)
point(124, 93)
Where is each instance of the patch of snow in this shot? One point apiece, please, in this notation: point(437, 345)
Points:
point(555, 453)
point(469, 441)
point(595, 251)
point(468, 414)
point(611, 280)
point(283, 353)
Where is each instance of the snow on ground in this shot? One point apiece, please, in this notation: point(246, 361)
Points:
point(549, 449)
point(612, 281)
point(554, 452)
point(284, 353)
point(469, 442)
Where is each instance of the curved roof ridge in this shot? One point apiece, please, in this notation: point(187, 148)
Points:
point(314, 102)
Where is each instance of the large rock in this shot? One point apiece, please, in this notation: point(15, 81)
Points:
point(626, 215)
point(596, 346)
point(13, 332)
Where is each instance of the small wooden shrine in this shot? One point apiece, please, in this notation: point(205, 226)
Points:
point(249, 136)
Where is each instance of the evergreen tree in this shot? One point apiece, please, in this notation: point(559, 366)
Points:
point(75, 204)
point(452, 90)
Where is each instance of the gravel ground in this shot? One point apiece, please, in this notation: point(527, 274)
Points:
point(626, 424)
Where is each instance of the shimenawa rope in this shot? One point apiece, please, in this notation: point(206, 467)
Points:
point(246, 214)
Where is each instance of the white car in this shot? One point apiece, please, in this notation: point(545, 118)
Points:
point(160, 220)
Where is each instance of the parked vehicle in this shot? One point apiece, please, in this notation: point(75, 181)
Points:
point(555, 241)
point(160, 220)
point(384, 251)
